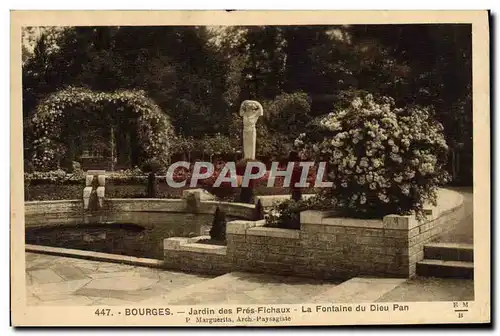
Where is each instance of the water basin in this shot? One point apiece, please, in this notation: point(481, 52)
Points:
point(138, 234)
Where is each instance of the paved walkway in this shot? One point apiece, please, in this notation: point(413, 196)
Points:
point(247, 288)
point(422, 289)
point(61, 281)
point(463, 231)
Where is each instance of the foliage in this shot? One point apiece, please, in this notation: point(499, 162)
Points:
point(382, 159)
point(272, 145)
point(154, 130)
point(76, 167)
point(130, 187)
point(286, 214)
point(218, 229)
point(60, 177)
point(152, 59)
point(152, 166)
point(49, 35)
point(126, 173)
point(415, 64)
point(216, 144)
point(288, 114)
point(182, 144)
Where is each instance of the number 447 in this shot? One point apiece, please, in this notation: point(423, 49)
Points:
point(103, 312)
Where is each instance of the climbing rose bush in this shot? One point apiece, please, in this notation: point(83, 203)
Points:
point(382, 159)
point(155, 132)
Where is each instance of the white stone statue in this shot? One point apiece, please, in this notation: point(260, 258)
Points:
point(250, 110)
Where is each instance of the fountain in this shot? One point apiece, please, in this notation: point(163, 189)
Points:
point(134, 226)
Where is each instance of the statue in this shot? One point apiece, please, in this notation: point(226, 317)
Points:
point(250, 110)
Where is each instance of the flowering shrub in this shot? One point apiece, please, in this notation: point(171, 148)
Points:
point(154, 127)
point(382, 159)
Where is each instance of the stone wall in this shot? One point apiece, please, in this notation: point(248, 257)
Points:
point(328, 246)
point(121, 205)
point(185, 254)
point(45, 207)
point(160, 217)
point(342, 247)
point(264, 249)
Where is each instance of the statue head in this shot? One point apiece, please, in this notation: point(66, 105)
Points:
point(251, 108)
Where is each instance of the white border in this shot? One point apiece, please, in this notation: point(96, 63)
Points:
point(257, 4)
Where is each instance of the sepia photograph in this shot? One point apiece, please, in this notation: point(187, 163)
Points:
point(250, 173)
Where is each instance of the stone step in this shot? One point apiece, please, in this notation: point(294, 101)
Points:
point(362, 290)
point(445, 268)
point(449, 251)
point(246, 288)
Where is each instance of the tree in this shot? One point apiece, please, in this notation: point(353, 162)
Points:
point(440, 59)
point(200, 75)
point(218, 229)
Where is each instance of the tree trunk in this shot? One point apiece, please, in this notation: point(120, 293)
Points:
point(113, 147)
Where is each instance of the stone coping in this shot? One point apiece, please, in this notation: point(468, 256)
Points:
point(241, 226)
point(53, 202)
point(193, 245)
point(273, 232)
point(242, 210)
point(134, 200)
point(96, 256)
point(448, 200)
point(316, 217)
point(270, 200)
point(448, 245)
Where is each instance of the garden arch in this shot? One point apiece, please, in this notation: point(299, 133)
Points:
point(54, 116)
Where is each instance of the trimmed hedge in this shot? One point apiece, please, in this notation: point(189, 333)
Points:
point(51, 191)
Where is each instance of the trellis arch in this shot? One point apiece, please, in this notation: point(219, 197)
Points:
point(154, 128)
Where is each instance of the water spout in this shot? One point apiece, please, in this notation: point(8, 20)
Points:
point(93, 193)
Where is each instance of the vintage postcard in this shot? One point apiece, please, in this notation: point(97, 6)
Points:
point(250, 168)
